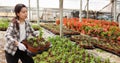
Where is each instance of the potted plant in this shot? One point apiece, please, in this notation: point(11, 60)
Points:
point(31, 45)
point(36, 44)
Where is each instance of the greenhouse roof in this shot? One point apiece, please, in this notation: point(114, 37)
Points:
point(68, 4)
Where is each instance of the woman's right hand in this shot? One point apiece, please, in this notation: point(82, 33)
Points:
point(21, 46)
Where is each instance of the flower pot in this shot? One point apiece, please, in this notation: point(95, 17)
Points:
point(33, 49)
point(41, 48)
point(30, 47)
point(47, 44)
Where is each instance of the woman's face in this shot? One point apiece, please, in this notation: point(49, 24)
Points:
point(22, 14)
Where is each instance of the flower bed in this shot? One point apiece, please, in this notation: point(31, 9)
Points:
point(108, 46)
point(82, 41)
point(4, 24)
point(55, 29)
point(35, 27)
point(91, 42)
point(64, 51)
point(103, 30)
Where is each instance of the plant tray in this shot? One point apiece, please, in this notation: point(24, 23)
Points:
point(113, 51)
point(37, 49)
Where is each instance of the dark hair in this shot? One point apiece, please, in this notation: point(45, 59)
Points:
point(18, 8)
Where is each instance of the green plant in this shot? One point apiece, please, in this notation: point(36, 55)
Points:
point(107, 60)
point(35, 27)
point(86, 59)
point(92, 60)
point(40, 33)
point(98, 59)
point(64, 51)
point(35, 44)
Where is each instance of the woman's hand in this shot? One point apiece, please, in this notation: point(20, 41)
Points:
point(21, 46)
point(16, 42)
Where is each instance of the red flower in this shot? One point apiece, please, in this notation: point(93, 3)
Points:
point(118, 38)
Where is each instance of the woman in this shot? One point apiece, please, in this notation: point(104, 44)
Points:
point(18, 30)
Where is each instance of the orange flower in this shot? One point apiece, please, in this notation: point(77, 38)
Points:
point(118, 38)
point(57, 21)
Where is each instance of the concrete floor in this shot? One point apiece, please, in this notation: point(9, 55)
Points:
point(2, 43)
